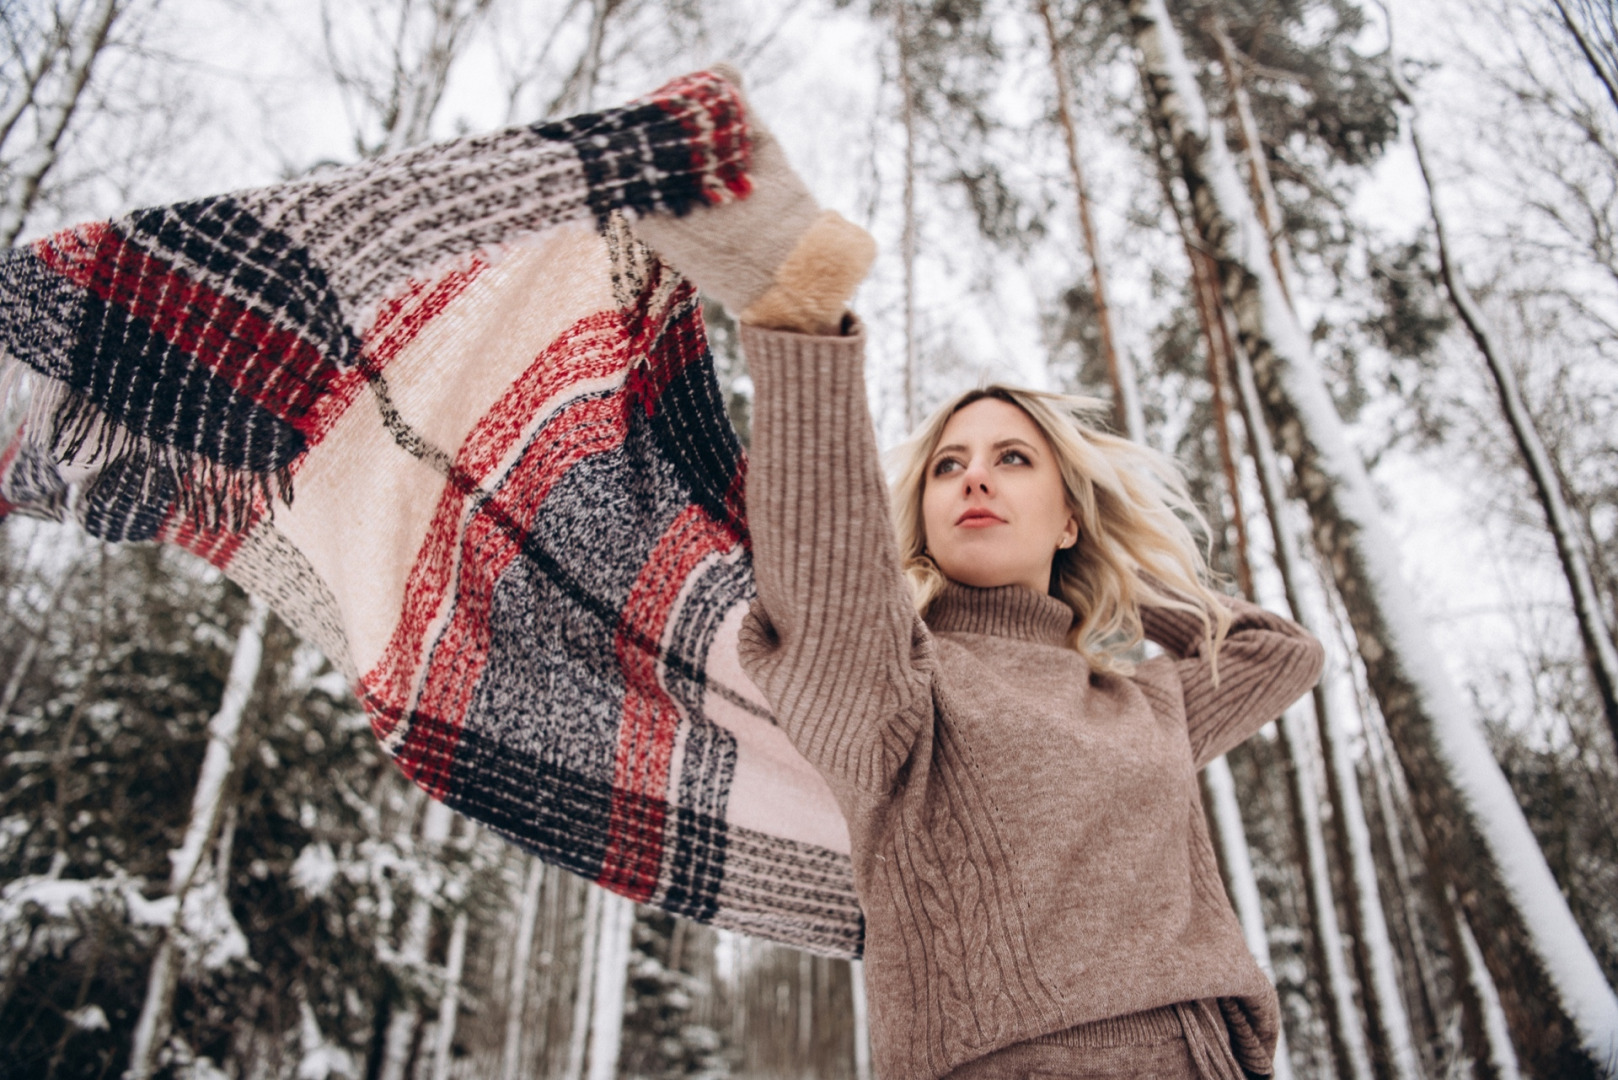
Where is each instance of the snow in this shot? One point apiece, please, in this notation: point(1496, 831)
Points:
point(58, 899)
point(144, 912)
point(319, 1059)
point(211, 937)
point(1544, 917)
point(314, 870)
point(89, 1018)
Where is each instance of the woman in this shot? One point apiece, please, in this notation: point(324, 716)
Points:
point(1040, 893)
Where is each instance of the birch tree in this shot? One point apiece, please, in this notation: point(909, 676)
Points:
point(156, 1014)
point(521, 960)
point(611, 979)
point(1326, 942)
point(412, 956)
point(1562, 1013)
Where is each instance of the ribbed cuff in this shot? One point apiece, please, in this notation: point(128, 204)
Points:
point(1147, 1028)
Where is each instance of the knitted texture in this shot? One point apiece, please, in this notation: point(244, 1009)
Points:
point(1027, 834)
point(518, 522)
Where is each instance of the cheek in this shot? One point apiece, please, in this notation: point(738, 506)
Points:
point(932, 511)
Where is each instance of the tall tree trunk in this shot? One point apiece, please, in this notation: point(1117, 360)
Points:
point(1220, 787)
point(1502, 1063)
point(579, 1033)
point(449, 1005)
point(1258, 169)
point(406, 1019)
point(1599, 649)
point(1563, 1015)
point(612, 979)
point(862, 1022)
point(31, 168)
point(1126, 407)
point(151, 1029)
point(908, 244)
point(1348, 1035)
point(1211, 310)
point(1403, 880)
point(521, 960)
point(1378, 972)
point(1300, 791)
point(1373, 947)
point(30, 649)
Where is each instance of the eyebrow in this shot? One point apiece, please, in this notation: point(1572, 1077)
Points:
point(1000, 445)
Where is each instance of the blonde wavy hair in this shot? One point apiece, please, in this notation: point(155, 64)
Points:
point(1132, 506)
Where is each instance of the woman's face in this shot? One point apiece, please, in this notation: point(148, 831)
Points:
point(993, 504)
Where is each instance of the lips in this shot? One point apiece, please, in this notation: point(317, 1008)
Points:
point(980, 517)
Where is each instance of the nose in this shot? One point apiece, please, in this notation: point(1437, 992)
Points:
point(976, 478)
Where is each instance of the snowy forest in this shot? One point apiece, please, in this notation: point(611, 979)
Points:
point(1354, 265)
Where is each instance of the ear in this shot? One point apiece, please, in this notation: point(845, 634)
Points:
point(1070, 535)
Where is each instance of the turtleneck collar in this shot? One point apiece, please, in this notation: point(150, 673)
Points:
point(1009, 611)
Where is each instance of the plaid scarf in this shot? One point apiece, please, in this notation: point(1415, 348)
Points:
point(518, 525)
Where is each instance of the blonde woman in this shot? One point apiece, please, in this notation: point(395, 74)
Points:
point(1040, 893)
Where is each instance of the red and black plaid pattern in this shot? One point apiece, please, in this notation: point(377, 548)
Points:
point(542, 658)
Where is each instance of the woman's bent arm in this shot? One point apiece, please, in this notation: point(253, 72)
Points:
point(1265, 663)
point(833, 639)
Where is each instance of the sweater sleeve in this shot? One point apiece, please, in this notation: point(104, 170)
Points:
point(1265, 663)
point(832, 638)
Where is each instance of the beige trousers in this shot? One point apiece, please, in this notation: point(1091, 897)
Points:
point(1188, 1041)
point(1043, 1061)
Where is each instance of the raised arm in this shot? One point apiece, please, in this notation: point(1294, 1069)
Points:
point(1265, 663)
point(832, 637)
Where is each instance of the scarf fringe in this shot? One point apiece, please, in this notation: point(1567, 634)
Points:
point(204, 495)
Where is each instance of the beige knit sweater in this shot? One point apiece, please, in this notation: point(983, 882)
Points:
point(1028, 842)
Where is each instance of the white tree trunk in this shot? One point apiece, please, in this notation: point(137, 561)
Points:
point(1244, 894)
point(1502, 1058)
point(151, 1029)
point(1380, 976)
point(1403, 880)
point(862, 1021)
point(579, 1034)
point(1258, 169)
point(402, 1025)
point(1563, 1016)
point(1349, 1035)
point(522, 958)
point(612, 980)
point(449, 1005)
point(25, 658)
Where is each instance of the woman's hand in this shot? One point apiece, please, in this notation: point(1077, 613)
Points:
point(775, 257)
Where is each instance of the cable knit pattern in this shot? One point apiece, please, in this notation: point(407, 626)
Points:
point(1028, 842)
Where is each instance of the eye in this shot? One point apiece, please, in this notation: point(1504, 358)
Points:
point(1014, 457)
point(945, 465)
